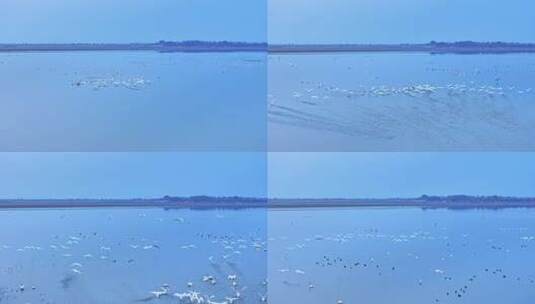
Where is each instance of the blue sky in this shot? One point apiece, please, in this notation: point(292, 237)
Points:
point(128, 175)
point(377, 175)
point(394, 21)
point(295, 21)
point(40, 21)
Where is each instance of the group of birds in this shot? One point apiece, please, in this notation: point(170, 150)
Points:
point(191, 296)
point(83, 256)
point(312, 93)
point(400, 262)
point(301, 261)
point(435, 108)
point(97, 83)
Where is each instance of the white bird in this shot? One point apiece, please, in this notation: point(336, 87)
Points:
point(231, 300)
point(284, 270)
point(161, 292)
point(192, 296)
point(210, 279)
point(232, 277)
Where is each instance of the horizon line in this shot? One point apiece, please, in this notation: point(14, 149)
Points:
point(276, 43)
point(239, 197)
point(199, 46)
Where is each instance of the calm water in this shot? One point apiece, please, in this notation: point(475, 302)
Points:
point(401, 102)
point(418, 256)
point(125, 101)
point(315, 255)
point(121, 255)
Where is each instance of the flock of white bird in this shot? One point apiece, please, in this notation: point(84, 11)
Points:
point(436, 110)
point(97, 83)
point(314, 92)
point(305, 279)
point(79, 253)
point(328, 254)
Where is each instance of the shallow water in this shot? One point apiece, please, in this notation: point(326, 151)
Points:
point(107, 255)
point(131, 101)
point(418, 256)
point(120, 255)
point(401, 102)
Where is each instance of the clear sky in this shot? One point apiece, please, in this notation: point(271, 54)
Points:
point(380, 175)
point(63, 21)
point(397, 21)
point(363, 175)
point(131, 175)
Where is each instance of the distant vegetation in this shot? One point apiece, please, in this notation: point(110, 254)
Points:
point(160, 46)
point(462, 47)
point(424, 201)
point(475, 199)
point(208, 202)
point(491, 44)
point(214, 199)
point(201, 43)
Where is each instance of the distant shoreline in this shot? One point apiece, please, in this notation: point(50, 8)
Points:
point(204, 202)
point(431, 48)
point(463, 47)
point(162, 47)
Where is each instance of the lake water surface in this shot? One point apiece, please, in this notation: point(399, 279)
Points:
point(304, 255)
point(401, 255)
point(132, 101)
point(122, 255)
point(401, 102)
